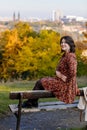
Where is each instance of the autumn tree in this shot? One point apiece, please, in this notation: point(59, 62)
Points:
point(81, 52)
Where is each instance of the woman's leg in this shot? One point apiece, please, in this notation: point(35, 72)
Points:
point(38, 85)
point(34, 102)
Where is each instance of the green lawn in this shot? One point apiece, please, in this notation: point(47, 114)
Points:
point(5, 88)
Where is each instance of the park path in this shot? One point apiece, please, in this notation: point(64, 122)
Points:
point(45, 120)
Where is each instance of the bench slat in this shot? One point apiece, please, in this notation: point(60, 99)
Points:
point(14, 109)
point(46, 106)
point(31, 94)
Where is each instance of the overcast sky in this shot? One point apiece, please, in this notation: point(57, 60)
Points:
point(42, 8)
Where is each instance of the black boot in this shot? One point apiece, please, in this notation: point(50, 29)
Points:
point(33, 102)
point(30, 103)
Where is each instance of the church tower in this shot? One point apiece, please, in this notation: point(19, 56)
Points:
point(14, 19)
point(18, 16)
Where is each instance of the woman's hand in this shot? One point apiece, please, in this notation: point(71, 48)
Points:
point(61, 76)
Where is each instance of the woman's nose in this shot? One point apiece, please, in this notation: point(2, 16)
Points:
point(63, 43)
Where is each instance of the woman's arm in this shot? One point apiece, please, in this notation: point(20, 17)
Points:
point(61, 76)
point(72, 66)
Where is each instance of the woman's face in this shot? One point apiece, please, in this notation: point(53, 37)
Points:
point(64, 46)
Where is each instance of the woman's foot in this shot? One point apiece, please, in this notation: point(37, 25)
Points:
point(29, 104)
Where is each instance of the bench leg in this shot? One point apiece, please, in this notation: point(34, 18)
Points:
point(18, 115)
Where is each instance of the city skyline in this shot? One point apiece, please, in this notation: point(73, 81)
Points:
point(42, 8)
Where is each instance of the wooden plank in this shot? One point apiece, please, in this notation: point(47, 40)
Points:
point(33, 94)
point(55, 103)
point(14, 109)
point(45, 106)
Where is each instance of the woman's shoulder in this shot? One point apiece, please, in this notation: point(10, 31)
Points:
point(71, 55)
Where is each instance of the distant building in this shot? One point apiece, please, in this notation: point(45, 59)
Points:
point(65, 19)
point(14, 17)
point(3, 28)
point(18, 16)
point(56, 15)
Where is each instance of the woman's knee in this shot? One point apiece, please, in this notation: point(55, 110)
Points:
point(38, 85)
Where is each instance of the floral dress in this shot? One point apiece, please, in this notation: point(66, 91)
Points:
point(64, 91)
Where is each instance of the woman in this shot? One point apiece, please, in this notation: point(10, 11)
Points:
point(63, 85)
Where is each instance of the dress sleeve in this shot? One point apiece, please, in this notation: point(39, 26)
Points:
point(72, 66)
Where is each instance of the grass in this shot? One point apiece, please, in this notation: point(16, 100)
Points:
point(82, 81)
point(5, 88)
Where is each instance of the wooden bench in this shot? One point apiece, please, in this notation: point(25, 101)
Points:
point(33, 94)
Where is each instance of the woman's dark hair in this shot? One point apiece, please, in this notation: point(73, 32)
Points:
point(69, 41)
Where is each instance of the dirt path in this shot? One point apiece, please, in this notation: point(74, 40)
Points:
point(52, 120)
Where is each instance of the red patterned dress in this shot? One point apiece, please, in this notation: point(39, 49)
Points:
point(64, 91)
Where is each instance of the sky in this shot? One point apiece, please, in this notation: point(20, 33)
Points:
point(42, 8)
